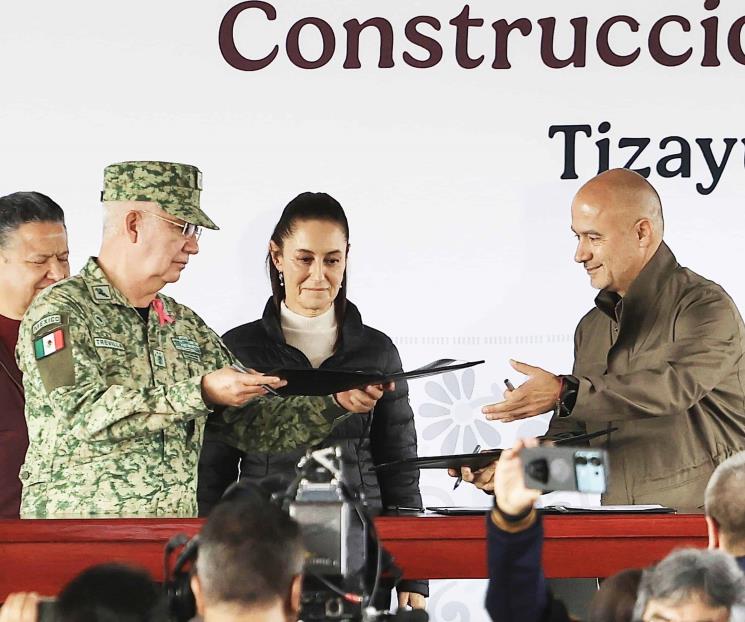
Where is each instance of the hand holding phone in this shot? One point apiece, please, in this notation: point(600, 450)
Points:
point(565, 468)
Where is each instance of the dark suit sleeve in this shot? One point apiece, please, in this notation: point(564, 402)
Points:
point(218, 468)
point(517, 590)
point(393, 437)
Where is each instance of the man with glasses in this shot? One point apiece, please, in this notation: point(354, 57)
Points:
point(120, 379)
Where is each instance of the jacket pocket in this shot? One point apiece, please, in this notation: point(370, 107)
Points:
point(115, 364)
point(683, 493)
point(677, 479)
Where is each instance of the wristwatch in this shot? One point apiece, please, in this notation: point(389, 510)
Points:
point(567, 397)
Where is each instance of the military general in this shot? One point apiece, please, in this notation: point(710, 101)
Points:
point(120, 379)
point(658, 362)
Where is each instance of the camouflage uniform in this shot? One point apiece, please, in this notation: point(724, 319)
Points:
point(114, 404)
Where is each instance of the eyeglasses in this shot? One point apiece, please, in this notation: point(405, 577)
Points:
point(187, 229)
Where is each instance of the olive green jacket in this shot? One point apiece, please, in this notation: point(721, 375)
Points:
point(664, 365)
point(114, 405)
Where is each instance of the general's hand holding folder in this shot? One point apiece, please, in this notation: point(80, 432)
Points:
point(321, 381)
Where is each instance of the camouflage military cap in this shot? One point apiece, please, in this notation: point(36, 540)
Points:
point(175, 187)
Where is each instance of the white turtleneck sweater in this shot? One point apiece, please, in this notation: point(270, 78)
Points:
point(313, 336)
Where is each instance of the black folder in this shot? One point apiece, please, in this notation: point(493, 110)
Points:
point(474, 461)
point(329, 381)
point(608, 509)
point(560, 509)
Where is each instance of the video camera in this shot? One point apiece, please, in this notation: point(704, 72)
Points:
point(337, 536)
point(345, 562)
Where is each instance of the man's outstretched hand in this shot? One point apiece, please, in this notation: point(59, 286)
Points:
point(537, 395)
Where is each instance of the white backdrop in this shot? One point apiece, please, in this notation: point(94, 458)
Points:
point(459, 218)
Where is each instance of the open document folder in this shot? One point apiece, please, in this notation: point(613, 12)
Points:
point(329, 381)
point(607, 509)
point(473, 461)
point(559, 509)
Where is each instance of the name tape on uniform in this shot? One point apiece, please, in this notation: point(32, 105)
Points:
point(108, 343)
point(188, 347)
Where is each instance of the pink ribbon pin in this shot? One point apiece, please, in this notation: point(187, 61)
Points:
point(160, 311)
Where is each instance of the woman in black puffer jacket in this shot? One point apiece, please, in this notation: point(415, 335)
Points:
point(308, 322)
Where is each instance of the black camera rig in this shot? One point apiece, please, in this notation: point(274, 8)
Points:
point(345, 562)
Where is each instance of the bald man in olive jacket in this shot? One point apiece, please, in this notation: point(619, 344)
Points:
point(660, 357)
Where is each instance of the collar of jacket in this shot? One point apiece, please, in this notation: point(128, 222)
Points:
point(351, 328)
point(643, 291)
point(103, 292)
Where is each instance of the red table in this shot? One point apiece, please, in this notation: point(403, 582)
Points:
point(42, 555)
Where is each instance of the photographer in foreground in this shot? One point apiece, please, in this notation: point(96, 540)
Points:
point(102, 593)
point(517, 588)
point(689, 584)
point(250, 564)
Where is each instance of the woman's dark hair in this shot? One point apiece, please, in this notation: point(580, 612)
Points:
point(309, 206)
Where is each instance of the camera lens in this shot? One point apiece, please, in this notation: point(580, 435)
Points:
point(538, 470)
point(334, 608)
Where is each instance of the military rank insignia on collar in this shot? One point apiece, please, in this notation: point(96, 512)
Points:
point(102, 292)
point(49, 344)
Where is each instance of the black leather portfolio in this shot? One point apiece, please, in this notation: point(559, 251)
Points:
point(474, 461)
point(329, 381)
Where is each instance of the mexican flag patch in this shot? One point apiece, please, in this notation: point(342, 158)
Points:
point(49, 344)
